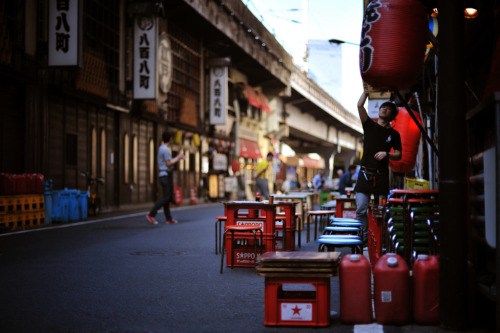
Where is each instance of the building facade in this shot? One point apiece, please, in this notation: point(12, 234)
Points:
point(90, 86)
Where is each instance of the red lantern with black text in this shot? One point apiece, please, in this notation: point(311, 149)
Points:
point(393, 42)
point(410, 139)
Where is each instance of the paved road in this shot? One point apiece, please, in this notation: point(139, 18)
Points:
point(122, 274)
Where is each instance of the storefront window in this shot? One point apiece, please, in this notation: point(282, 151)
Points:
point(135, 159)
point(151, 161)
point(93, 150)
point(126, 158)
point(103, 152)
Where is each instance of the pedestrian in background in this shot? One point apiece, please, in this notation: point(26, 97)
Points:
point(319, 181)
point(166, 177)
point(261, 176)
point(379, 138)
point(346, 179)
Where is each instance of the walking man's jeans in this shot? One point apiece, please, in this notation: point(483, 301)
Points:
point(168, 192)
point(362, 201)
point(263, 188)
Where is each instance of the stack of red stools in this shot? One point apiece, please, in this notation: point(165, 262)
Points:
point(285, 226)
point(375, 231)
point(261, 214)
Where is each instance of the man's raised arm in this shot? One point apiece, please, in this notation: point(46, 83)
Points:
point(363, 115)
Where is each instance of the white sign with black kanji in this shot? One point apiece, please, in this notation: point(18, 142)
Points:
point(145, 57)
point(218, 95)
point(64, 33)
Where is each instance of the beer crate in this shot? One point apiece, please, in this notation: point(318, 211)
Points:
point(12, 221)
point(300, 301)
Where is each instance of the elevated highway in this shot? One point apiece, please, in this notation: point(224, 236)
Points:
point(317, 123)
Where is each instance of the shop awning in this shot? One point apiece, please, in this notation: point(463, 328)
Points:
point(292, 161)
point(249, 149)
point(311, 162)
point(253, 98)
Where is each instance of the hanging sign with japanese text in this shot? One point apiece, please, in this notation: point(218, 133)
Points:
point(218, 95)
point(145, 57)
point(64, 33)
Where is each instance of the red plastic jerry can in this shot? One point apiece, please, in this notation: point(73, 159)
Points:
point(20, 184)
point(392, 290)
point(6, 184)
point(355, 290)
point(426, 290)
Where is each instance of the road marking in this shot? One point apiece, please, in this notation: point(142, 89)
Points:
point(369, 328)
point(74, 224)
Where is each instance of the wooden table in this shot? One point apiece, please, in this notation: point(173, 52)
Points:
point(341, 209)
point(285, 211)
point(310, 198)
point(297, 197)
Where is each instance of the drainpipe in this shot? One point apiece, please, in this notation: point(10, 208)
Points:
point(452, 167)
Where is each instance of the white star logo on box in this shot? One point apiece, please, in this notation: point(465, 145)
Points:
point(296, 311)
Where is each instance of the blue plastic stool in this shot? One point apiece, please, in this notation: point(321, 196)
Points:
point(330, 243)
point(342, 219)
point(346, 224)
point(340, 230)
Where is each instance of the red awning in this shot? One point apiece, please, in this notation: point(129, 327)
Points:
point(311, 162)
point(253, 98)
point(264, 102)
point(249, 149)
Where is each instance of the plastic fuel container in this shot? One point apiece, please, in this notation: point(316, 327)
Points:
point(355, 290)
point(392, 290)
point(426, 290)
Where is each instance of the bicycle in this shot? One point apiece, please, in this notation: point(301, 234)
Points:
point(94, 201)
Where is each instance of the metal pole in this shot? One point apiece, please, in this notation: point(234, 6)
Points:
point(452, 167)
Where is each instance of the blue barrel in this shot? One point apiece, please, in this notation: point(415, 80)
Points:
point(82, 203)
point(48, 206)
point(56, 205)
point(63, 213)
point(73, 210)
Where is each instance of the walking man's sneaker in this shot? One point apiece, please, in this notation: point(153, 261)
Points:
point(172, 221)
point(151, 219)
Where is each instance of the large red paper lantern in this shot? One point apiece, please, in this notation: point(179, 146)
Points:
point(393, 42)
point(410, 139)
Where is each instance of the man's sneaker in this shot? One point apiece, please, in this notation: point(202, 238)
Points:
point(172, 221)
point(151, 219)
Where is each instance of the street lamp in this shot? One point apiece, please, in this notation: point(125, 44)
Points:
point(338, 42)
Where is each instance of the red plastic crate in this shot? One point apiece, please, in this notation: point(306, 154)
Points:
point(290, 240)
point(244, 249)
point(290, 307)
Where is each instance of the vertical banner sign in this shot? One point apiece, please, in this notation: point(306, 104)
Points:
point(165, 67)
point(145, 57)
point(64, 33)
point(218, 95)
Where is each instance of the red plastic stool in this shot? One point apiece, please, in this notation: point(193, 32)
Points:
point(298, 227)
point(240, 228)
point(315, 214)
point(218, 233)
